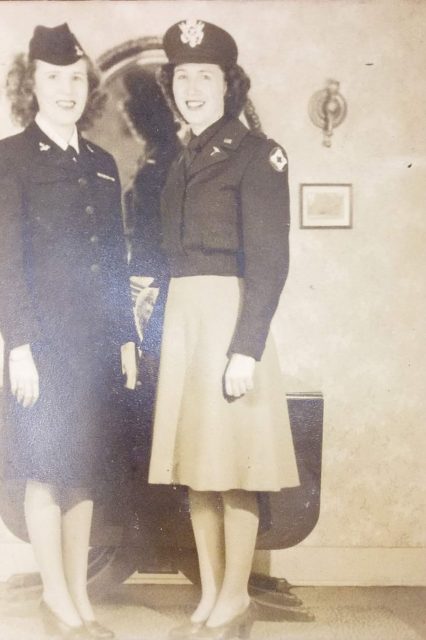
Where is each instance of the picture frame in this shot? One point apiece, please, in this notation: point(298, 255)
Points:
point(325, 206)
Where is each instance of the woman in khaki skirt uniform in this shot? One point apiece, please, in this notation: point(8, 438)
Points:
point(221, 422)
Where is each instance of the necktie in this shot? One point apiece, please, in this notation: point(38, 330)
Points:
point(190, 151)
point(71, 153)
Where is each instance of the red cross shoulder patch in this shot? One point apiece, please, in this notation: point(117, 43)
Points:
point(277, 159)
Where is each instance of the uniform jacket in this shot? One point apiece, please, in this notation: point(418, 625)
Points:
point(230, 209)
point(63, 275)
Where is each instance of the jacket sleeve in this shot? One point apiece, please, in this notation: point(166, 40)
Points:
point(122, 319)
point(265, 222)
point(18, 324)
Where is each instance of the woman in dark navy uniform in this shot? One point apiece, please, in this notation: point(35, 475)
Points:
point(221, 424)
point(65, 313)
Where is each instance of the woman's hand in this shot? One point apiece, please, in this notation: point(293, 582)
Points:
point(239, 375)
point(129, 365)
point(23, 376)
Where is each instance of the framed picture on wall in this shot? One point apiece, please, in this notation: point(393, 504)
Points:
point(325, 206)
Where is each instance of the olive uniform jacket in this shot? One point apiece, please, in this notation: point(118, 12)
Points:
point(228, 214)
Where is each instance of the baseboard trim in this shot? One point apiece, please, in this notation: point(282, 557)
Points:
point(353, 566)
point(301, 566)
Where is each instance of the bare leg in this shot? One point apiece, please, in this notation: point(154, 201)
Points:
point(241, 520)
point(76, 524)
point(43, 518)
point(207, 523)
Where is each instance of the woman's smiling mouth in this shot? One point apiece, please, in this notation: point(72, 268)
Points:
point(194, 104)
point(66, 104)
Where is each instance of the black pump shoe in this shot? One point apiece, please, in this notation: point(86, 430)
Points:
point(186, 630)
point(96, 630)
point(239, 627)
point(54, 626)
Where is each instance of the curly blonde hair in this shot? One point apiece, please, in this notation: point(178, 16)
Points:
point(20, 91)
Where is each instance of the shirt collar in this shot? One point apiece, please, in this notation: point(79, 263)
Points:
point(198, 142)
point(50, 133)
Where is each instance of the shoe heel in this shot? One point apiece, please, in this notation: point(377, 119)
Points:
point(245, 626)
point(55, 627)
point(244, 629)
point(49, 629)
point(49, 625)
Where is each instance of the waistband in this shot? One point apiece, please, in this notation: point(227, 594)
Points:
point(199, 263)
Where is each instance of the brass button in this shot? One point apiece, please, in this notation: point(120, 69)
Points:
point(90, 210)
point(94, 239)
point(82, 182)
point(95, 268)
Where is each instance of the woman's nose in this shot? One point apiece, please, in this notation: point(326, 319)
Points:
point(66, 86)
point(193, 87)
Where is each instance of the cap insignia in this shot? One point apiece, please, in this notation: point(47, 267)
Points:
point(78, 51)
point(192, 32)
point(277, 159)
point(44, 147)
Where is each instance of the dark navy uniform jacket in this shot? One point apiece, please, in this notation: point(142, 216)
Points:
point(63, 276)
point(228, 214)
point(64, 289)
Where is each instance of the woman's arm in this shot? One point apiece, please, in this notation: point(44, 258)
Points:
point(124, 324)
point(265, 219)
point(18, 325)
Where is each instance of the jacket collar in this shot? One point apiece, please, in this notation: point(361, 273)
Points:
point(44, 125)
point(226, 139)
point(48, 152)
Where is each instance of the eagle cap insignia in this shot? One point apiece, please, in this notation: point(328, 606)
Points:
point(277, 159)
point(192, 32)
point(78, 51)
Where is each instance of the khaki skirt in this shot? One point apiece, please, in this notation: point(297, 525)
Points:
point(200, 438)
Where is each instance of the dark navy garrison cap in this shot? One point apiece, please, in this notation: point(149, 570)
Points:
point(198, 41)
point(56, 45)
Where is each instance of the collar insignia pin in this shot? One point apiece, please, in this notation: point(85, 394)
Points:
point(192, 32)
point(227, 140)
point(215, 151)
point(44, 147)
point(90, 148)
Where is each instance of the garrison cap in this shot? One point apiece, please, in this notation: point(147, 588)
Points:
point(198, 41)
point(56, 45)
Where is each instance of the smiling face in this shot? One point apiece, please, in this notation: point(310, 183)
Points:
point(199, 92)
point(61, 93)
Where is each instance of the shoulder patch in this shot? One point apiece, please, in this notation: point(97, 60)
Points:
point(277, 159)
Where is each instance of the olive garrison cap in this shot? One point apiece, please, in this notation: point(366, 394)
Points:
point(198, 41)
point(56, 45)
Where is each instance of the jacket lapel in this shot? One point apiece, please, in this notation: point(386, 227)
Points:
point(44, 151)
point(217, 149)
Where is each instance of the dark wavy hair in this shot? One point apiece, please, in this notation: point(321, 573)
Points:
point(20, 91)
point(237, 88)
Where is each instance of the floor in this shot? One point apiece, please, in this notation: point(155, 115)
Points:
point(147, 612)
